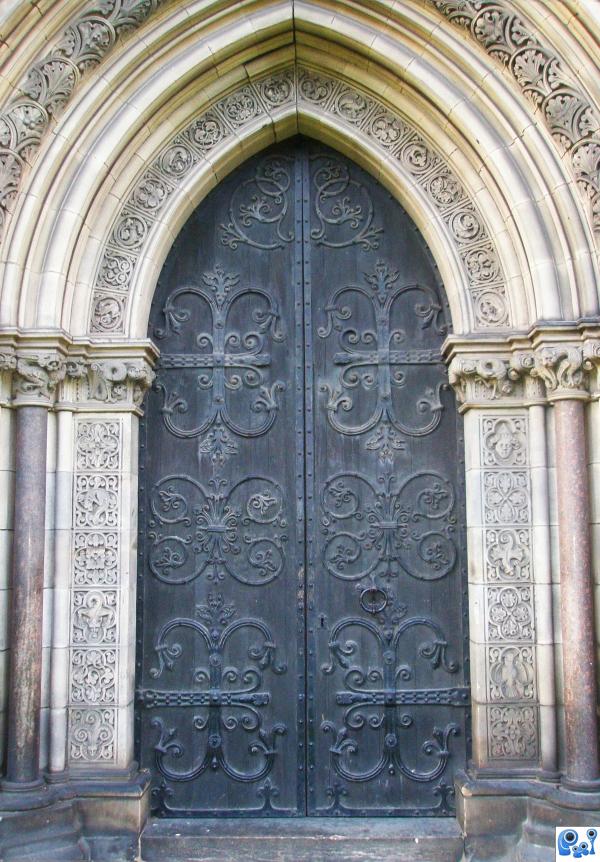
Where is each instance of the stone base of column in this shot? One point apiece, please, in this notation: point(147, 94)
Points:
point(514, 819)
point(7, 786)
point(581, 786)
point(96, 818)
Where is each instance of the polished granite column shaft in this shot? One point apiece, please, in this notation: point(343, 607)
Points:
point(25, 613)
point(576, 595)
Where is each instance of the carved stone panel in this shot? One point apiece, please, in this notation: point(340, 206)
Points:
point(95, 591)
point(509, 616)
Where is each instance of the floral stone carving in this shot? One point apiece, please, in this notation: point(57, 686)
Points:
point(565, 108)
point(393, 134)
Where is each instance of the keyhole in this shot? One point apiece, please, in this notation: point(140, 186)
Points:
point(323, 620)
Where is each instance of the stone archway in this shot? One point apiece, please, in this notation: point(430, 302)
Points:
point(107, 186)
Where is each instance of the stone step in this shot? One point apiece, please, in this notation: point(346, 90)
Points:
point(50, 834)
point(308, 839)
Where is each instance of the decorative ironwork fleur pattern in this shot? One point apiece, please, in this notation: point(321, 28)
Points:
point(372, 359)
point(225, 698)
point(229, 362)
point(380, 529)
point(375, 699)
point(395, 136)
point(194, 531)
point(343, 208)
point(259, 208)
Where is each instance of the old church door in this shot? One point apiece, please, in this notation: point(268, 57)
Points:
point(302, 643)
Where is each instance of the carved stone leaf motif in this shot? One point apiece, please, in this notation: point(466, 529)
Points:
point(49, 84)
point(378, 532)
point(98, 446)
point(236, 366)
point(93, 676)
point(508, 555)
point(216, 531)
point(371, 358)
point(388, 131)
point(509, 613)
point(512, 733)
point(96, 559)
point(567, 111)
point(92, 734)
point(506, 498)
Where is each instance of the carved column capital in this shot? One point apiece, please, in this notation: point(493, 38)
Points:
point(8, 361)
point(478, 379)
point(561, 368)
point(35, 378)
point(591, 363)
point(108, 381)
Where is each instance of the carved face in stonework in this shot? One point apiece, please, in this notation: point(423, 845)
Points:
point(505, 442)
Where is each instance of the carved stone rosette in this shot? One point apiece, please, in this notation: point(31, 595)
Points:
point(394, 135)
point(562, 103)
point(49, 84)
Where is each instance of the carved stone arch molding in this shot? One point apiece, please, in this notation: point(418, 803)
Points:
point(348, 110)
point(477, 121)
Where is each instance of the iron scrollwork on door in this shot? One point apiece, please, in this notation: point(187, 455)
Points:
point(226, 698)
point(260, 206)
point(379, 529)
point(372, 359)
point(342, 206)
point(375, 699)
point(229, 361)
point(195, 531)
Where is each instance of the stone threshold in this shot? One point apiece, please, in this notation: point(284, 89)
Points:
point(303, 839)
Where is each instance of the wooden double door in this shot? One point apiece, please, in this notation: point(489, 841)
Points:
point(302, 604)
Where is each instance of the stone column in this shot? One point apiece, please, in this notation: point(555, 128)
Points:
point(34, 381)
point(8, 362)
point(561, 369)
